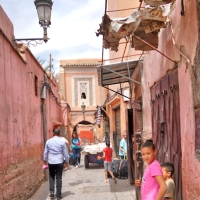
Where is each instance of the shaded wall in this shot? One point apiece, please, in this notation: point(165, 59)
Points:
point(21, 121)
point(157, 66)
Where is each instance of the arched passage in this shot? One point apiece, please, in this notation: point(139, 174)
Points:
point(86, 131)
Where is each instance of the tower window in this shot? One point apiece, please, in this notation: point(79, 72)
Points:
point(83, 96)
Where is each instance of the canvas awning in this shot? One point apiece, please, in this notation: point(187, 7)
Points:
point(116, 73)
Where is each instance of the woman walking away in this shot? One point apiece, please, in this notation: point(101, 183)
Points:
point(107, 155)
point(153, 186)
point(76, 148)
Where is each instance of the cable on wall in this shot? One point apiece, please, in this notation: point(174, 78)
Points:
point(52, 94)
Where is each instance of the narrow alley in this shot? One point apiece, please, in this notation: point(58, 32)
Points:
point(88, 184)
point(115, 80)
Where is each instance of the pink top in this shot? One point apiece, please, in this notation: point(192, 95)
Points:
point(150, 187)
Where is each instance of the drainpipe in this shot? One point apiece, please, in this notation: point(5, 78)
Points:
point(44, 120)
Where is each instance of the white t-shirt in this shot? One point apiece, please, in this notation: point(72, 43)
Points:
point(64, 139)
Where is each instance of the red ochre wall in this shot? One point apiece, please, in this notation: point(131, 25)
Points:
point(88, 136)
point(156, 66)
point(21, 122)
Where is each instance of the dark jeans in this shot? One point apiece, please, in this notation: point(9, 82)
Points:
point(55, 171)
point(77, 155)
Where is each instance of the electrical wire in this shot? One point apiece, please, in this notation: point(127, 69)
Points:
point(55, 60)
point(52, 94)
point(125, 9)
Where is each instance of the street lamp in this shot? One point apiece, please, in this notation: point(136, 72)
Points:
point(83, 108)
point(44, 14)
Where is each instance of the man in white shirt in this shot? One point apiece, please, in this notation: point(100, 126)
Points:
point(64, 139)
point(55, 152)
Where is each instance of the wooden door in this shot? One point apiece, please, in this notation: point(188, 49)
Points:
point(166, 124)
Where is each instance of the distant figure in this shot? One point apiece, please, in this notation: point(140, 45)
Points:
point(54, 152)
point(107, 155)
point(168, 171)
point(84, 140)
point(76, 148)
point(123, 147)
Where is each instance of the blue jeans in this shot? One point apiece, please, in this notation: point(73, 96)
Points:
point(55, 171)
point(77, 155)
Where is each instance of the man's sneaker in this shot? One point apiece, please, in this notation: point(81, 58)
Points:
point(51, 194)
point(76, 166)
point(79, 165)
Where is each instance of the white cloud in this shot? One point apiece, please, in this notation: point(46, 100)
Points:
point(72, 32)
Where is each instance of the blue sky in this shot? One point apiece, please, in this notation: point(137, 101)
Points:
point(72, 31)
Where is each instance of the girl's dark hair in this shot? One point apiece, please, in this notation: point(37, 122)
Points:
point(149, 143)
point(75, 134)
point(108, 143)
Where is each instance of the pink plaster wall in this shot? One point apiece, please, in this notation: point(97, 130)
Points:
point(6, 25)
point(21, 127)
point(156, 67)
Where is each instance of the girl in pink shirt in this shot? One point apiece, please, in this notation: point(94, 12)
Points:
point(153, 186)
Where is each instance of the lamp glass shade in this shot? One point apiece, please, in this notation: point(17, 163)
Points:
point(44, 11)
point(83, 107)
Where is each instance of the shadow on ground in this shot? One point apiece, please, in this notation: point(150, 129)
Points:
point(113, 188)
point(67, 193)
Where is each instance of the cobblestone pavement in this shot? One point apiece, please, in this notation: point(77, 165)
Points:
point(88, 184)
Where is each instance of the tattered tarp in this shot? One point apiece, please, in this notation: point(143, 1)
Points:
point(157, 2)
point(151, 38)
point(152, 19)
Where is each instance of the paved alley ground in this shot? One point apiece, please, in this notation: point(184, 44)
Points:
point(88, 184)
